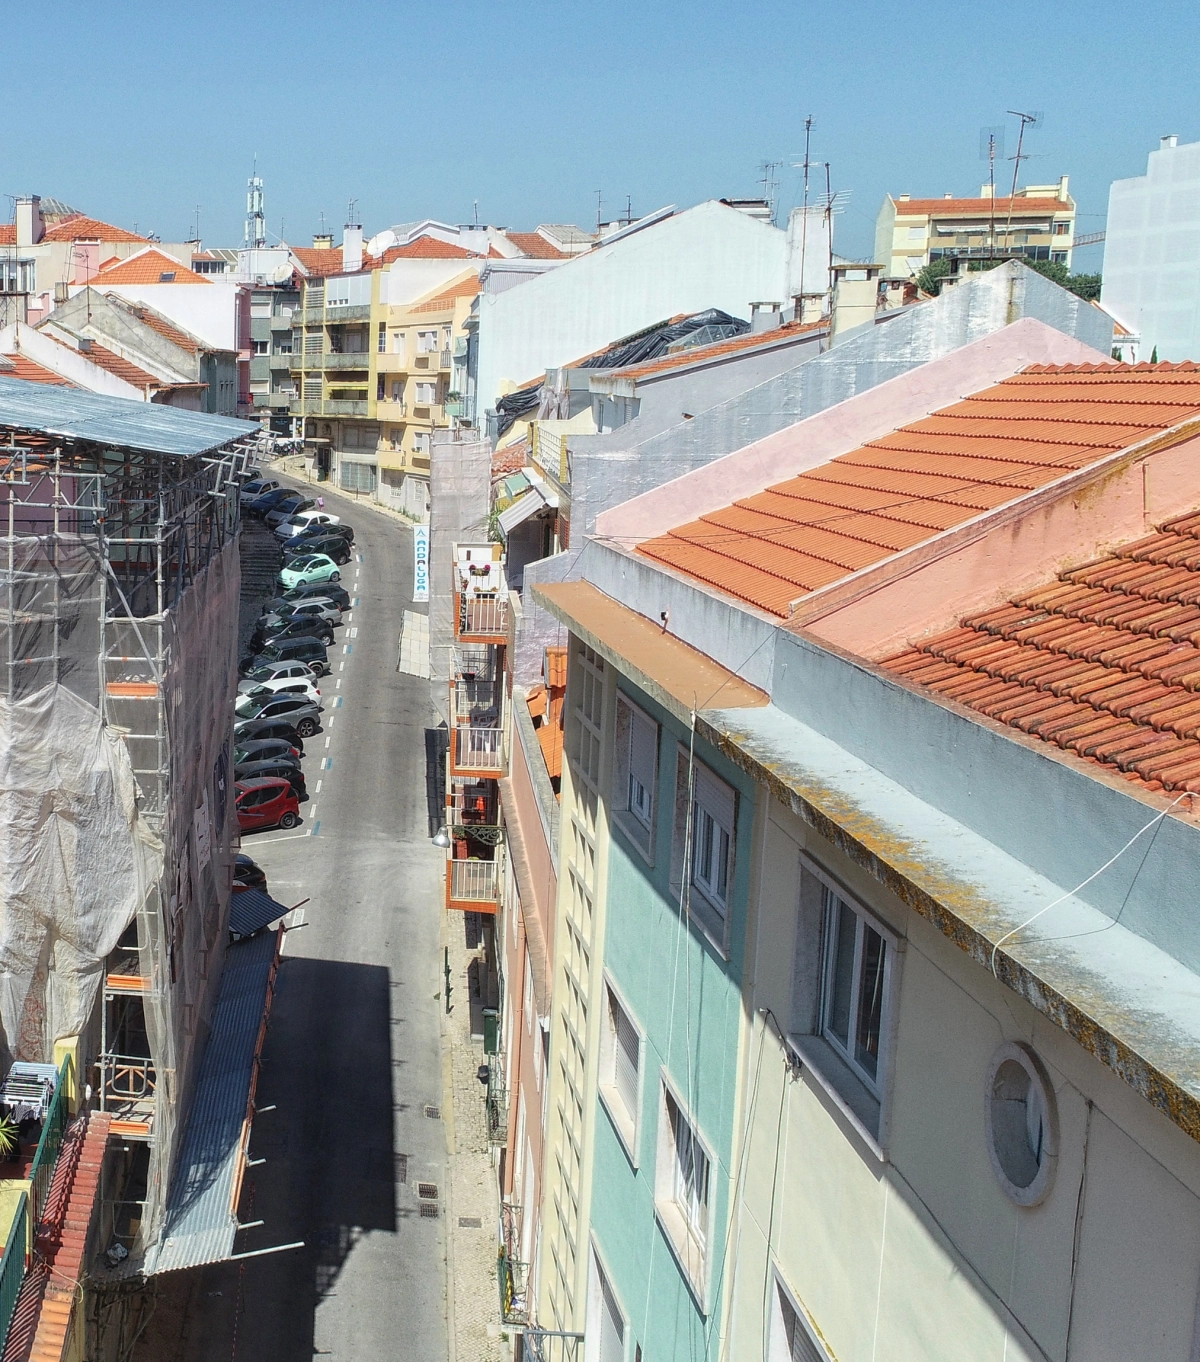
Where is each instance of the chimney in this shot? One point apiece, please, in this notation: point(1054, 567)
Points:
point(323, 241)
point(352, 248)
point(30, 227)
point(1169, 141)
point(903, 198)
point(85, 344)
point(765, 317)
point(1062, 188)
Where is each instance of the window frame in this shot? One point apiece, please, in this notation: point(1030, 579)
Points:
point(710, 913)
point(779, 1349)
point(692, 1250)
point(638, 829)
point(866, 1106)
point(626, 1123)
point(599, 1275)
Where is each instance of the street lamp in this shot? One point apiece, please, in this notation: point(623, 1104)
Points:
point(441, 838)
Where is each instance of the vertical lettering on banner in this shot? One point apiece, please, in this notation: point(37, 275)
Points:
point(420, 563)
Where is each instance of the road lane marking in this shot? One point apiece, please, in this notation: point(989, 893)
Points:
point(327, 741)
point(326, 765)
point(312, 813)
point(291, 837)
point(318, 792)
point(345, 647)
point(331, 720)
point(316, 827)
point(339, 683)
point(350, 616)
point(337, 704)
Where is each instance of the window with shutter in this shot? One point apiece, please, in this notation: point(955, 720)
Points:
point(612, 1325)
point(620, 1070)
point(635, 774)
point(702, 843)
point(791, 1338)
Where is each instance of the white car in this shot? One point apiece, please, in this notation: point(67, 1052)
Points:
point(302, 520)
point(298, 686)
point(257, 487)
point(277, 671)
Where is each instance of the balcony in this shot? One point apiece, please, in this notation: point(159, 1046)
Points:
point(341, 359)
point(280, 360)
point(496, 1102)
point(127, 1089)
point(480, 619)
point(455, 408)
point(391, 411)
point(476, 750)
point(474, 886)
point(343, 407)
point(513, 1275)
point(549, 453)
point(473, 804)
point(476, 702)
point(460, 347)
point(551, 1345)
point(444, 360)
point(282, 321)
point(348, 312)
point(425, 359)
point(389, 362)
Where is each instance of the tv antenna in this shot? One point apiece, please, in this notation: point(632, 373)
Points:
point(807, 166)
point(770, 183)
point(991, 147)
point(350, 214)
point(1028, 120)
point(598, 202)
point(476, 212)
point(196, 238)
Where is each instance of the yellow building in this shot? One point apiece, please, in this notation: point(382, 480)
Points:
point(1037, 224)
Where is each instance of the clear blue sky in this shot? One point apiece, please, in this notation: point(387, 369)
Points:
point(137, 112)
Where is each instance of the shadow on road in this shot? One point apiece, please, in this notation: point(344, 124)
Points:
point(437, 741)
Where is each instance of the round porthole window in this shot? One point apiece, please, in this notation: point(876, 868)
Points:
point(1022, 1124)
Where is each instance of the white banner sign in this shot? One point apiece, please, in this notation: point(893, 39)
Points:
point(420, 563)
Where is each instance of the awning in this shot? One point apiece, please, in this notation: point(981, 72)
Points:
point(538, 498)
point(201, 1224)
point(250, 910)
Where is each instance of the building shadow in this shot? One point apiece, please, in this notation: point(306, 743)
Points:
point(437, 741)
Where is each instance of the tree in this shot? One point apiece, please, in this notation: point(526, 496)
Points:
point(929, 280)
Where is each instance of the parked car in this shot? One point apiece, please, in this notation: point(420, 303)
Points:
point(285, 770)
point(260, 505)
point(305, 520)
point(247, 874)
point(319, 607)
point(248, 700)
point(250, 730)
point(257, 487)
point(301, 713)
point(342, 531)
point(270, 671)
point(264, 749)
point(313, 567)
point(306, 649)
point(293, 626)
point(328, 590)
point(266, 802)
point(287, 507)
point(331, 545)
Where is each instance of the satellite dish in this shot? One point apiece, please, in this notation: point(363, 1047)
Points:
point(281, 274)
point(381, 241)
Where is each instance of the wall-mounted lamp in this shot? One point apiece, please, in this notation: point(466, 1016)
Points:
point(441, 838)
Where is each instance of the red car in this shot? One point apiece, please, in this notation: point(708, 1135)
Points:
point(266, 802)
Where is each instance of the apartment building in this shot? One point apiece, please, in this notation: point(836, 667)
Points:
point(1036, 223)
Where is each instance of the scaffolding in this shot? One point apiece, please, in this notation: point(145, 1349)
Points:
point(118, 614)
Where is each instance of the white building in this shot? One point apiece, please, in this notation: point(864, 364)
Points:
point(1152, 252)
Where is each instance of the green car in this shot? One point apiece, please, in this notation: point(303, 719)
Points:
point(313, 567)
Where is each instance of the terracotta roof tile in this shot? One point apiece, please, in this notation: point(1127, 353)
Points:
point(167, 329)
point(535, 247)
point(17, 366)
point(122, 368)
point(148, 267)
point(90, 229)
point(979, 207)
point(1120, 691)
point(698, 354)
point(318, 261)
point(8, 233)
point(776, 545)
point(423, 248)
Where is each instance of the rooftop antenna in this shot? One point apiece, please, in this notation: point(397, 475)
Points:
point(256, 218)
point(476, 212)
point(350, 222)
point(628, 209)
point(196, 238)
point(1028, 120)
point(770, 184)
point(807, 164)
point(991, 146)
point(598, 201)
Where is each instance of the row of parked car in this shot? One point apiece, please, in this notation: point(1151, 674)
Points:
point(278, 703)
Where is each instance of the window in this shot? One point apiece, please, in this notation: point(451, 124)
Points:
point(620, 1070)
point(606, 1321)
point(1022, 1124)
point(682, 1184)
point(380, 387)
point(421, 443)
point(705, 819)
point(381, 343)
point(854, 987)
point(1059, 256)
point(1061, 228)
point(792, 1339)
point(636, 774)
point(259, 347)
point(398, 343)
point(397, 390)
point(426, 342)
point(426, 393)
point(916, 234)
point(356, 477)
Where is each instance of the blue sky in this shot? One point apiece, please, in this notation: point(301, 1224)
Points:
point(137, 112)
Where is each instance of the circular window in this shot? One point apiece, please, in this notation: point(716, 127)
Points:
point(1022, 1124)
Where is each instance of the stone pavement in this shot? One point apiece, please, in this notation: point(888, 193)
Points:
point(472, 1206)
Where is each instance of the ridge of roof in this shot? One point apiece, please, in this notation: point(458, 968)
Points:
point(914, 207)
point(157, 322)
point(535, 246)
point(892, 493)
point(1102, 662)
point(89, 229)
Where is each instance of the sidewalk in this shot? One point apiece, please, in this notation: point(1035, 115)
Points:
point(473, 1203)
point(292, 466)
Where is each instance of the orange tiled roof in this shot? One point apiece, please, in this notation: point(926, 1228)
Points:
point(1104, 662)
point(444, 301)
point(17, 366)
point(8, 233)
point(511, 459)
point(556, 668)
point(535, 247)
point(89, 229)
point(122, 368)
point(550, 739)
point(906, 208)
point(892, 493)
point(319, 261)
point(168, 330)
point(424, 248)
point(148, 267)
point(697, 354)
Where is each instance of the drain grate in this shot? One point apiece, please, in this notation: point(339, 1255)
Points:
point(434, 1113)
point(430, 1210)
point(427, 1191)
point(469, 1222)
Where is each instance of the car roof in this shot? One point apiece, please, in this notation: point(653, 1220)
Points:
point(258, 782)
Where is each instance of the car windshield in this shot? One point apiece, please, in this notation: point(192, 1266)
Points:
point(299, 563)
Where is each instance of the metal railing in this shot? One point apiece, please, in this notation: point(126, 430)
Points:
point(549, 452)
point(125, 1079)
point(477, 701)
point(345, 407)
point(496, 1106)
point(478, 749)
point(472, 803)
point(444, 359)
point(512, 1275)
point(12, 1266)
point(481, 616)
point(550, 1345)
point(41, 1171)
point(475, 881)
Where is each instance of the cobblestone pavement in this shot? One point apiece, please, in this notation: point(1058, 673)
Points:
point(473, 1206)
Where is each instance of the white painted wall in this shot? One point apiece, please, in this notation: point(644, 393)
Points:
point(708, 256)
point(65, 361)
point(404, 281)
point(1152, 253)
point(208, 311)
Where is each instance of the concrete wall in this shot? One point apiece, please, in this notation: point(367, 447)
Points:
point(709, 256)
point(1152, 253)
point(404, 281)
point(209, 311)
point(923, 1258)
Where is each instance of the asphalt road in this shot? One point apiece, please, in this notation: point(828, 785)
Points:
point(353, 1055)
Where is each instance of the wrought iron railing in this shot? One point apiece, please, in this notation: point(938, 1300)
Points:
point(475, 881)
point(482, 617)
point(478, 749)
point(551, 1345)
point(513, 1275)
point(12, 1266)
point(497, 1106)
point(41, 1171)
point(477, 701)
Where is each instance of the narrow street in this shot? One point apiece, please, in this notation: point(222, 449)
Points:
point(350, 1098)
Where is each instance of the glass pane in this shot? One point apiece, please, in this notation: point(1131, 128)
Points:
point(841, 973)
point(723, 866)
point(870, 1001)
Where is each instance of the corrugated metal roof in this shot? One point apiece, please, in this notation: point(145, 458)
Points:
point(201, 1221)
point(526, 505)
point(252, 909)
point(78, 415)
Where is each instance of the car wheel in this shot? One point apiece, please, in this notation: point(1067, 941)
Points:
point(335, 576)
point(306, 728)
point(289, 820)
